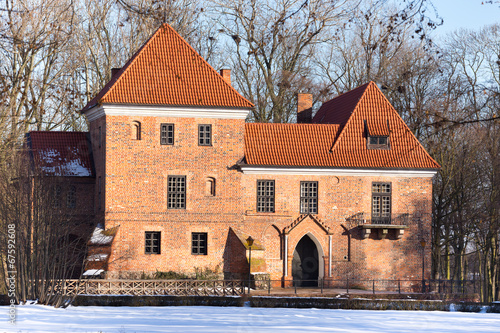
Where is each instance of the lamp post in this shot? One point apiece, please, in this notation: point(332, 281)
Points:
point(422, 243)
point(249, 243)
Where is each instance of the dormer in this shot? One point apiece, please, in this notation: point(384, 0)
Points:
point(377, 134)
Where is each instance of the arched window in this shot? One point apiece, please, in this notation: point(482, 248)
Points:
point(210, 186)
point(136, 130)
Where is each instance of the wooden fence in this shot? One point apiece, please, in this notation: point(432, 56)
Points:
point(235, 288)
point(148, 287)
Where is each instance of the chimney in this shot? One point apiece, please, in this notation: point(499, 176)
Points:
point(226, 75)
point(304, 108)
point(114, 71)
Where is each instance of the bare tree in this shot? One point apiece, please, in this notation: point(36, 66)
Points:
point(187, 17)
point(272, 42)
point(48, 248)
point(36, 59)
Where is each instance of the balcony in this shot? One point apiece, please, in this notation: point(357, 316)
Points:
point(382, 226)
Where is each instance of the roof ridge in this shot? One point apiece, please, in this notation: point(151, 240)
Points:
point(343, 130)
point(294, 124)
point(58, 132)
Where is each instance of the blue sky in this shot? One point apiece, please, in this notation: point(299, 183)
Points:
point(468, 14)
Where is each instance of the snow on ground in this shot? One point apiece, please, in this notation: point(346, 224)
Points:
point(36, 318)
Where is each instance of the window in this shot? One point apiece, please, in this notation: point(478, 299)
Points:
point(100, 136)
point(265, 196)
point(71, 197)
point(167, 134)
point(210, 186)
point(309, 197)
point(136, 130)
point(199, 243)
point(204, 135)
point(377, 134)
point(378, 142)
point(57, 197)
point(381, 203)
point(176, 192)
point(152, 242)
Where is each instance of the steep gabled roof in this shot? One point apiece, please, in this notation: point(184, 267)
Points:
point(61, 153)
point(339, 109)
point(168, 71)
point(359, 113)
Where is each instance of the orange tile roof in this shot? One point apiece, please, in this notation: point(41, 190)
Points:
point(289, 144)
point(378, 127)
point(168, 71)
point(341, 145)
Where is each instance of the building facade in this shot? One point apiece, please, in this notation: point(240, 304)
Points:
point(182, 181)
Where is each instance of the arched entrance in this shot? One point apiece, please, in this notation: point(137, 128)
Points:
point(305, 263)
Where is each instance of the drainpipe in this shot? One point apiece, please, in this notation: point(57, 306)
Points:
point(330, 256)
point(285, 258)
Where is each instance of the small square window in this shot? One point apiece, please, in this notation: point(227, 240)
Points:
point(204, 135)
point(199, 243)
point(167, 134)
point(152, 242)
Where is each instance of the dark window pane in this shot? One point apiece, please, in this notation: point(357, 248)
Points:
point(152, 242)
point(167, 134)
point(176, 197)
point(308, 197)
point(381, 203)
point(265, 196)
point(205, 135)
point(378, 142)
point(199, 243)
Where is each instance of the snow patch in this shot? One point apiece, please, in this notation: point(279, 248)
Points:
point(99, 238)
point(93, 272)
point(97, 257)
point(166, 319)
point(71, 165)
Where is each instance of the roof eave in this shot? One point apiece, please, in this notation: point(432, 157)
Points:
point(338, 171)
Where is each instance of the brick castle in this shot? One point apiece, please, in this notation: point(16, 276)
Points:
point(179, 182)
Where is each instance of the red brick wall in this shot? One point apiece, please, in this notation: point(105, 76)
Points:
point(339, 198)
point(135, 174)
point(136, 191)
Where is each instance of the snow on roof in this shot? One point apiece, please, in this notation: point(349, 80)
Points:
point(61, 153)
point(98, 257)
point(93, 272)
point(99, 237)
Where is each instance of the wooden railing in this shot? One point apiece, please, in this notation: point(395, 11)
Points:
point(148, 287)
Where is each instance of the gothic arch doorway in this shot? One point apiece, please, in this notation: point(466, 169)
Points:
point(306, 264)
